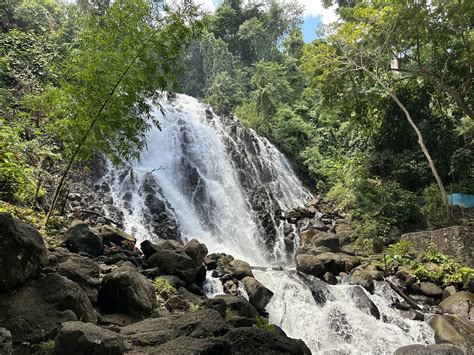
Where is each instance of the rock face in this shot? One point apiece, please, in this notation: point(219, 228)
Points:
point(435, 349)
point(455, 330)
point(457, 241)
point(77, 338)
point(261, 341)
point(22, 252)
point(182, 261)
point(125, 290)
point(259, 295)
point(310, 264)
point(82, 238)
point(35, 312)
point(461, 303)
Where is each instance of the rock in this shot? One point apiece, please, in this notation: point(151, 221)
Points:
point(176, 303)
point(261, 341)
point(449, 291)
point(434, 349)
point(84, 272)
point(196, 250)
point(239, 269)
point(456, 241)
point(78, 338)
point(149, 332)
point(310, 264)
point(148, 248)
point(35, 312)
point(469, 284)
point(191, 297)
point(187, 345)
point(259, 295)
point(338, 262)
point(6, 344)
point(238, 306)
point(405, 275)
point(299, 213)
point(201, 275)
point(363, 302)
point(455, 330)
point(344, 231)
point(413, 315)
point(349, 249)
point(22, 252)
point(174, 281)
point(429, 289)
point(330, 278)
point(82, 238)
point(119, 319)
point(125, 290)
point(115, 235)
point(362, 278)
point(328, 240)
point(461, 303)
point(172, 259)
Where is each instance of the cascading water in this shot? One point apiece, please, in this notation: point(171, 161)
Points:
point(208, 177)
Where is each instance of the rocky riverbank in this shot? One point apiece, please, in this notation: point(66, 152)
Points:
point(99, 294)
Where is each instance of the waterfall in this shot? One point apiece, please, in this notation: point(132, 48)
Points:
point(209, 177)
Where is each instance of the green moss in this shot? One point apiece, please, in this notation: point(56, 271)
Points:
point(47, 346)
point(161, 285)
point(262, 323)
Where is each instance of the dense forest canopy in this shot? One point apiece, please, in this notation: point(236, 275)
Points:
point(76, 79)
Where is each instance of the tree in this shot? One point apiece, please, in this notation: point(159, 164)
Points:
point(122, 57)
point(358, 47)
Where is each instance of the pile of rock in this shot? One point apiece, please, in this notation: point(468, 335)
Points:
point(101, 295)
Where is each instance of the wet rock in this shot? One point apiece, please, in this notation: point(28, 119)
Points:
point(35, 311)
point(6, 344)
point(362, 278)
point(188, 345)
point(330, 278)
point(78, 338)
point(22, 252)
point(413, 315)
point(259, 295)
point(310, 264)
point(461, 303)
point(148, 248)
point(363, 302)
point(433, 349)
point(125, 290)
point(82, 238)
point(455, 330)
point(261, 341)
point(239, 269)
point(238, 305)
point(112, 235)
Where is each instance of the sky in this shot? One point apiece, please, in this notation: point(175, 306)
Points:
point(315, 15)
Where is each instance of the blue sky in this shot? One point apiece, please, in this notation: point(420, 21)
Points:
point(315, 15)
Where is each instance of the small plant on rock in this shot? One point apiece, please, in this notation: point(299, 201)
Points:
point(263, 324)
point(161, 285)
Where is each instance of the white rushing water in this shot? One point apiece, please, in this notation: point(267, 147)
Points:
point(221, 183)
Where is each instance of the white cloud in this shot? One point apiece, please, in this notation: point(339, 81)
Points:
point(314, 8)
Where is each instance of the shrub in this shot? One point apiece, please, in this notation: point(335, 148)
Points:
point(433, 209)
point(161, 285)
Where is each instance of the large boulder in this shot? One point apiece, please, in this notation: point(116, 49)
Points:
point(456, 241)
point(78, 338)
point(259, 295)
point(148, 248)
point(112, 235)
point(238, 306)
point(429, 289)
point(362, 278)
point(196, 250)
point(125, 290)
point(22, 252)
point(248, 340)
point(188, 345)
point(461, 303)
point(172, 259)
point(84, 272)
point(432, 349)
point(310, 264)
point(35, 311)
point(82, 238)
point(338, 262)
point(455, 330)
point(239, 269)
point(363, 302)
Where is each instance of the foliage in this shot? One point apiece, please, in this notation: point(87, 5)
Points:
point(433, 208)
point(399, 253)
point(162, 284)
point(262, 323)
